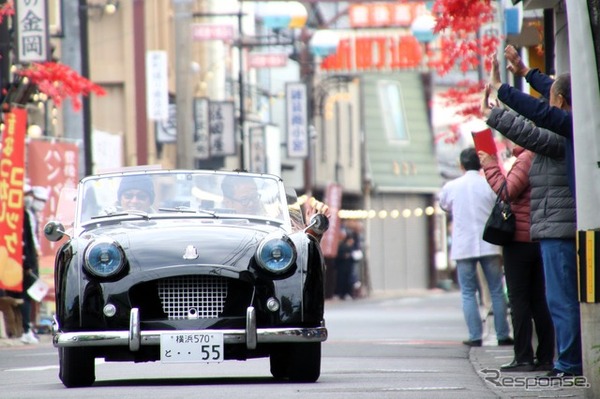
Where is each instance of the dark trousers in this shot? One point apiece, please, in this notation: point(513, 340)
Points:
point(524, 273)
point(344, 269)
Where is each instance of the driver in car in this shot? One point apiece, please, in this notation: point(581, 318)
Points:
point(136, 193)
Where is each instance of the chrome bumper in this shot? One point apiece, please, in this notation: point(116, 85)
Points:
point(134, 338)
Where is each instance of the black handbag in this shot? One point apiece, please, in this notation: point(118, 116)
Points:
point(500, 226)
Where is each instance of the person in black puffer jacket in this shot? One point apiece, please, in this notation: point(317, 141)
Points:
point(553, 223)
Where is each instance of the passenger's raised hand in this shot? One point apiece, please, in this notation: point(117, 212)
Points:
point(515, 62)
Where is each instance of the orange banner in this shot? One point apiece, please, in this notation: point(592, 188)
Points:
point(12, 173)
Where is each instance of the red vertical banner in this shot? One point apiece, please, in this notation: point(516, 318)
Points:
point(12, 174)
point(330, 240)
point(53, 165)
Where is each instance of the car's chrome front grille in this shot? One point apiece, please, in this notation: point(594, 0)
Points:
point(192, 297)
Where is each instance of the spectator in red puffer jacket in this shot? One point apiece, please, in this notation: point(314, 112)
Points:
point(523, 267)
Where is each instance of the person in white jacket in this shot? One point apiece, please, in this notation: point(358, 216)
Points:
point(469, 199)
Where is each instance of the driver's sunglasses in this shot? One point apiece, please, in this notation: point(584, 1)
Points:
point(248, 200)
point(142, 196)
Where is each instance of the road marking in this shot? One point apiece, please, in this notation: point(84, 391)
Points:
point(43, 368)
point(394, 342)
point(426, 389)
point(38, 368)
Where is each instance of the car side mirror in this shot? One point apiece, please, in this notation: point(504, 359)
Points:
point(319, 223)
point(54, 231)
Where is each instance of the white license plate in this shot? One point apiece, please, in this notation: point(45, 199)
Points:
point(206, 347)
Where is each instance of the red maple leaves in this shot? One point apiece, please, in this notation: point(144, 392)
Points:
point(6, 10)
point(461, 44)
point(462, 15)
point(60, 82)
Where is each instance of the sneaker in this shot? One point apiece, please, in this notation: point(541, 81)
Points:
point(29, 338)
point(474, 342)
point(559, 374)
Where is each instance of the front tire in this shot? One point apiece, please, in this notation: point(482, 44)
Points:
point(297, 362)
point(77, 368)
point(279, 365)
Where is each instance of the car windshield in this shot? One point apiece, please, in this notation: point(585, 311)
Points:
point(207, 194)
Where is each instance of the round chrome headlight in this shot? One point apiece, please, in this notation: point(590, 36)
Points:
point(276, 254)
point(104, 258)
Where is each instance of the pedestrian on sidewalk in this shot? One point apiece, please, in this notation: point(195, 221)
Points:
point(558, 245)
point(344, 264)
point(470, 199)
point(34, 201)
point(523, 267)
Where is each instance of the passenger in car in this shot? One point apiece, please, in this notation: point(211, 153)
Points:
point(241, 194)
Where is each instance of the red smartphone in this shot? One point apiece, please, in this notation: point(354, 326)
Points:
point(484, 141)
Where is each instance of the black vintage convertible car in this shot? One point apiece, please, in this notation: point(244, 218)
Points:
point(187, 266)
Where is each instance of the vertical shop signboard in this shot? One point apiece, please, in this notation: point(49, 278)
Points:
point(157, 86)
point(201, 133)
point(258, 155)
point(297, 120)
point(221, 128)
point(31, 23)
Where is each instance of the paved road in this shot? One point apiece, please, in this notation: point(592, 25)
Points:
point(405, 346)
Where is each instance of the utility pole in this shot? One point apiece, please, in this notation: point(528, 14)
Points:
point(5, 49)
point(71, 55)
point(183, 86)
point(242, 114)
point(85, 100)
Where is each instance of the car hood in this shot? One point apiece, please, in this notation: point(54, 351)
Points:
point(165, 244)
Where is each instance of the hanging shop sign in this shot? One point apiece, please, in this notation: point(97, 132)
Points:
point(201, 128)
point(267, 60)
point(388, 14)
point(297, 120)
point(202, 32)
point(258, 153)
point(157, 86)
point(31, 20)
point(166, 129)
point(221, 128)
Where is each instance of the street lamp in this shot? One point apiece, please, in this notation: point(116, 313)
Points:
point(422, 28)
point(324, 42)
